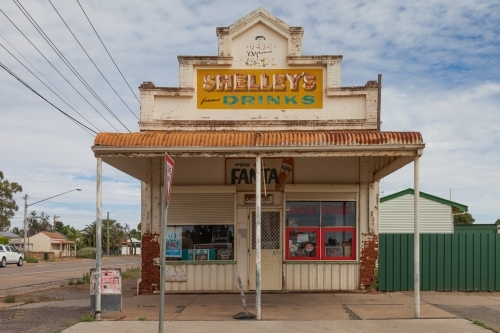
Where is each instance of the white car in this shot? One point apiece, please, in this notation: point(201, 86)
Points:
point(9, 255)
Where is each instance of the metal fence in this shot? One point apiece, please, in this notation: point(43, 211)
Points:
point(448, 262)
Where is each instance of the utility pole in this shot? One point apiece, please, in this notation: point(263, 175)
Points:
point(108, 233)
point(25, 215)
point(55, 217)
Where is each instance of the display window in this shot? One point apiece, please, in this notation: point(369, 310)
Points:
point(200, 243)
point(320, 230)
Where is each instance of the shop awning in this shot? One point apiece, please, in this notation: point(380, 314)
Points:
point(396, 148)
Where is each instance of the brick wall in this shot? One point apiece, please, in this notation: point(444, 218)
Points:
point(368, 257)
point(150, 282)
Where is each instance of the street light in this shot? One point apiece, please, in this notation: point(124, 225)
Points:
point(26, 211)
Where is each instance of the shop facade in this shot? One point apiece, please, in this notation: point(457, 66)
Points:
point(322, 155)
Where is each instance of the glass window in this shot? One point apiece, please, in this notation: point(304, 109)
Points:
point(200, 242)
point(303, 243)
point(321, 230)
point(302, 214)
point(1, 248)
point(338, 213)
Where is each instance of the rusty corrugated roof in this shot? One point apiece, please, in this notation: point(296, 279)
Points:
point(255, 138)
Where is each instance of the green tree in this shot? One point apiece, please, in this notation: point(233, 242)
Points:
point(16, 231)
point(460, 217)
point(7, 203)
point(38, 223)
point(116, 234)
point(498, 221)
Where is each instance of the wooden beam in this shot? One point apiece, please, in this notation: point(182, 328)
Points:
point(390, 168)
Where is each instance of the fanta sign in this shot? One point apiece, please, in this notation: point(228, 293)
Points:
point(275, 172)
point(260, 89)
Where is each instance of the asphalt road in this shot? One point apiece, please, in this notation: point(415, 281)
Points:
point(16, 280)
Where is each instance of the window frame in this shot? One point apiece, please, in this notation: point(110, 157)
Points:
point(320, 244)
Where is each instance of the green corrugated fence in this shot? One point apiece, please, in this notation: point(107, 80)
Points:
point(448, 262)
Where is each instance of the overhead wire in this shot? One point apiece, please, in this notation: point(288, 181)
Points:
point(107, 51)
point(33, 90)
point(41, 74)
point(48, 87)
point(66, 61)
point(72, 86)
point(92, 60)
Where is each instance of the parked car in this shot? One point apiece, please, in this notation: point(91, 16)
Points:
point(10, 255)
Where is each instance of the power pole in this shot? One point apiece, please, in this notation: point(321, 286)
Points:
point(108, 233)
point(25, 215)
point(55, 217)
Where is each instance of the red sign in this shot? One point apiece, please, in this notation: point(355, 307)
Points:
point(169, 175)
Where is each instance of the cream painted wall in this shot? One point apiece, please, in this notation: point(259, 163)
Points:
point(199, 171)
point(41, 242)
point(326, 170)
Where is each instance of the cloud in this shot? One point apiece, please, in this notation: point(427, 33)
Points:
point(439, 62)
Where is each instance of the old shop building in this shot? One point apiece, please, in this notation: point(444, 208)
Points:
point(323, 155)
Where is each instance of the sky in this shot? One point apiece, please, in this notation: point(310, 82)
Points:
point(438, 59)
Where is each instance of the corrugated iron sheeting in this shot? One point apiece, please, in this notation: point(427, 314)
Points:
point(255, 138)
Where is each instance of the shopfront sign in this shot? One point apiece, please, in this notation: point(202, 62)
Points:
point(275, 173)
point(174, 242)
point(264, 199)
point(295, 88)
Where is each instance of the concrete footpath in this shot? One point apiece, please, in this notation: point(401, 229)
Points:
point(296, 312)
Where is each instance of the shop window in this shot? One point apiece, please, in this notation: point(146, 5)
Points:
point(200, 243)
point(323, 230)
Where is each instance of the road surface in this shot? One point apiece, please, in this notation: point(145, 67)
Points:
point(30, 277)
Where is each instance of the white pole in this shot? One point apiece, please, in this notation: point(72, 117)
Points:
point(257, 237)
point(416, 234)
point(98, 222)
point(163, 245)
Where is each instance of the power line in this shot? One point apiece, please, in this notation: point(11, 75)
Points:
point(33, 90)
point(108, 51)
point(92, 61)
point(66, 61)
point(48, 87)
point(41, 74)
point(57, 70)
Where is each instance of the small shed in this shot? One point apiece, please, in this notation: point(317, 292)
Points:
point(54, 242)
point(396, 213)
point(128, 247)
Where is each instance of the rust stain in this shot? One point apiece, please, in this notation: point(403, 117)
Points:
point(255, 138)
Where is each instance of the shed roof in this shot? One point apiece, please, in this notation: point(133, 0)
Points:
point(426, 196)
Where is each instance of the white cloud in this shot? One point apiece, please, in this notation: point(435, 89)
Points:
point(439, 62)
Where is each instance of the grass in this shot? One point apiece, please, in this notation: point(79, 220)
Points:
point(84, 280)
point(85, 319)
point(9, 299)
point(142, 318)
point(31, 260)
point(480, 323)
point(131, 273)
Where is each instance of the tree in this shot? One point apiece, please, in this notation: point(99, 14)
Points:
point(460, 217)
point(16, 231)
point(38, 223)
point(498, 221)
point(116, 234)
point(7, 203)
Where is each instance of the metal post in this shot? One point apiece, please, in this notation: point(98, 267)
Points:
point(258, 237)
point(163, 245)
point(98, 222)
point(108, 233)
point(416, 234)
point(25, 222)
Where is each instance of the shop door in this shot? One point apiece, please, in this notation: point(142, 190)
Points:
point(271, 253)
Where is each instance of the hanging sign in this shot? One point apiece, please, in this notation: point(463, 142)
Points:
point(169, 174)
point(291, 88)
point(275, 173)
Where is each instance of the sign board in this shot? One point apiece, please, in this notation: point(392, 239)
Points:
point(111, 289)
point(174, 242)
point(175, 273)
point(291, 88)
point(275, 173)
point(169, 174)
point(264, 199)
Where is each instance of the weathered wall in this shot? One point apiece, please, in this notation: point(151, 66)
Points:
point(150, 274)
